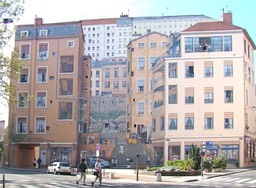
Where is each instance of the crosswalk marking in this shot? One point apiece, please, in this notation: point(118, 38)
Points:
point(251, 182)
point(243, 180)
point(232, 179)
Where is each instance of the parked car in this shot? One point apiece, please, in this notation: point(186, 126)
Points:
point(104, 163)
point(59, 168)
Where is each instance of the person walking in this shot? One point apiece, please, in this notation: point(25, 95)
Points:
point(39, 161)
point(97, 172)
point(121, 149)
point(82, 169)
point(34, 162)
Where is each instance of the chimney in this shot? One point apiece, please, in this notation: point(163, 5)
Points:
point(38, 21)
point(227, 17)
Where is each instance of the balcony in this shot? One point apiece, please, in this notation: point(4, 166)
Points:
point(189, 100)
point(172, 99)
point(208, 100)
point(159, 81)
point(158, 103)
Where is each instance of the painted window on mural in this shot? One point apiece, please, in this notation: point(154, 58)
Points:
point(21, 127)
point(66, 86)
point(65, 110)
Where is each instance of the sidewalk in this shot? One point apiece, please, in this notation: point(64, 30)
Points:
point(126, 175)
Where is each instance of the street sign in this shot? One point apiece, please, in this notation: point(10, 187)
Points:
point(208, 144)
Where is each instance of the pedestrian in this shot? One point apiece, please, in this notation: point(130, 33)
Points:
point(82, 169)
point(34, 162)
point(121, 149)
point(114, 161)
point(97, 172)
point(39, 161)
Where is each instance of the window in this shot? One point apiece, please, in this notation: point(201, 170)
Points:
point(66, 86)
point(208, 69)
point(25, 51)
point(173, 94)
point(67, 64)
point(40, 125)
point(21, 126)
point(216, 44)
point(24, 76)
point(152, 44)
point(188, 44)
point(65, 110)
point(140, 85)
point(228, 120)
point(43, 51)
point(116, 85)
point(41, 75)
point(23, 34)
point(189, 95)
point(228, 94)
point(41, 99)
point(97, 74)
point(70, 43)
point(162, 123)
point(124, 72)
point(107, 73)
point(189, 121)
point(189, 70)
point(107, 84)
point(141, 45)
point(124, 83)
point(43, 33)
point(116, 72)
point(172, 122)
point(97, 83)
point(97, 93)
point(208, 95)
point(141, 63)
point(208, 121)
point(23, 99)
point(140, 108)
point(228, 69)
point(152, 62)
point(172, 70)
point(227, 43)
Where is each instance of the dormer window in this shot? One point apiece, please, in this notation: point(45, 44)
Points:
point(43, 33)
point(24, 34)
point(71, 43)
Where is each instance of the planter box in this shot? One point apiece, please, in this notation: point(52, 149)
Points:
point(180, 173)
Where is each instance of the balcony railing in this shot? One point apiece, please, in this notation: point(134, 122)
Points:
point(158, 103)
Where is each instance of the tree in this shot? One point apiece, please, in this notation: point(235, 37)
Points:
point(195, 156)
point(10, 67)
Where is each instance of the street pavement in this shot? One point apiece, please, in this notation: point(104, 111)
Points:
point(129, 175)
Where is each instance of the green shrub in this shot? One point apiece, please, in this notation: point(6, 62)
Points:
point(219, 162)
point(194, 154)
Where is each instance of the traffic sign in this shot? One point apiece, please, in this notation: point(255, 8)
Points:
point(208, 145)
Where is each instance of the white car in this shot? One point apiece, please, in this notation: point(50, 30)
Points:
point(59, 168)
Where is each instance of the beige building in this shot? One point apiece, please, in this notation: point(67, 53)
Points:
point(141, 57)
point(53, 93)
point(204, 92)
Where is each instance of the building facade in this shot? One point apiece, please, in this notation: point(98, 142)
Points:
point(204, 94)
point(142, 54)
point(109, 37)
point(109, 77)
point(53, 93)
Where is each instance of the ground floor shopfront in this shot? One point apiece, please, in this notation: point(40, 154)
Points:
point(239, 152)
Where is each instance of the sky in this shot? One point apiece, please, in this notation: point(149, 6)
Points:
point(53, 11)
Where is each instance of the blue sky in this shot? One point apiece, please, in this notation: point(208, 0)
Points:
point(61, 11)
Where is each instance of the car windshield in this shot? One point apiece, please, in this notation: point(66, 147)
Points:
point(64, 164)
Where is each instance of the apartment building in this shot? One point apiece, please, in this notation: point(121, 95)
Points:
point(142, 54)
point(53, 93)
point(204, 94)
point(109, 77)
point(109, 37)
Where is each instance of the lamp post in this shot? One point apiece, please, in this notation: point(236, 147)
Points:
point(138, 156)
point(202, 158)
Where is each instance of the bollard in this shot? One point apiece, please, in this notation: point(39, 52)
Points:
point(158, 177)
point(3, 181)
point(111, 176)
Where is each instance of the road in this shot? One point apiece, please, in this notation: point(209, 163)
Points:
point(32, 179)
point(243, 180)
